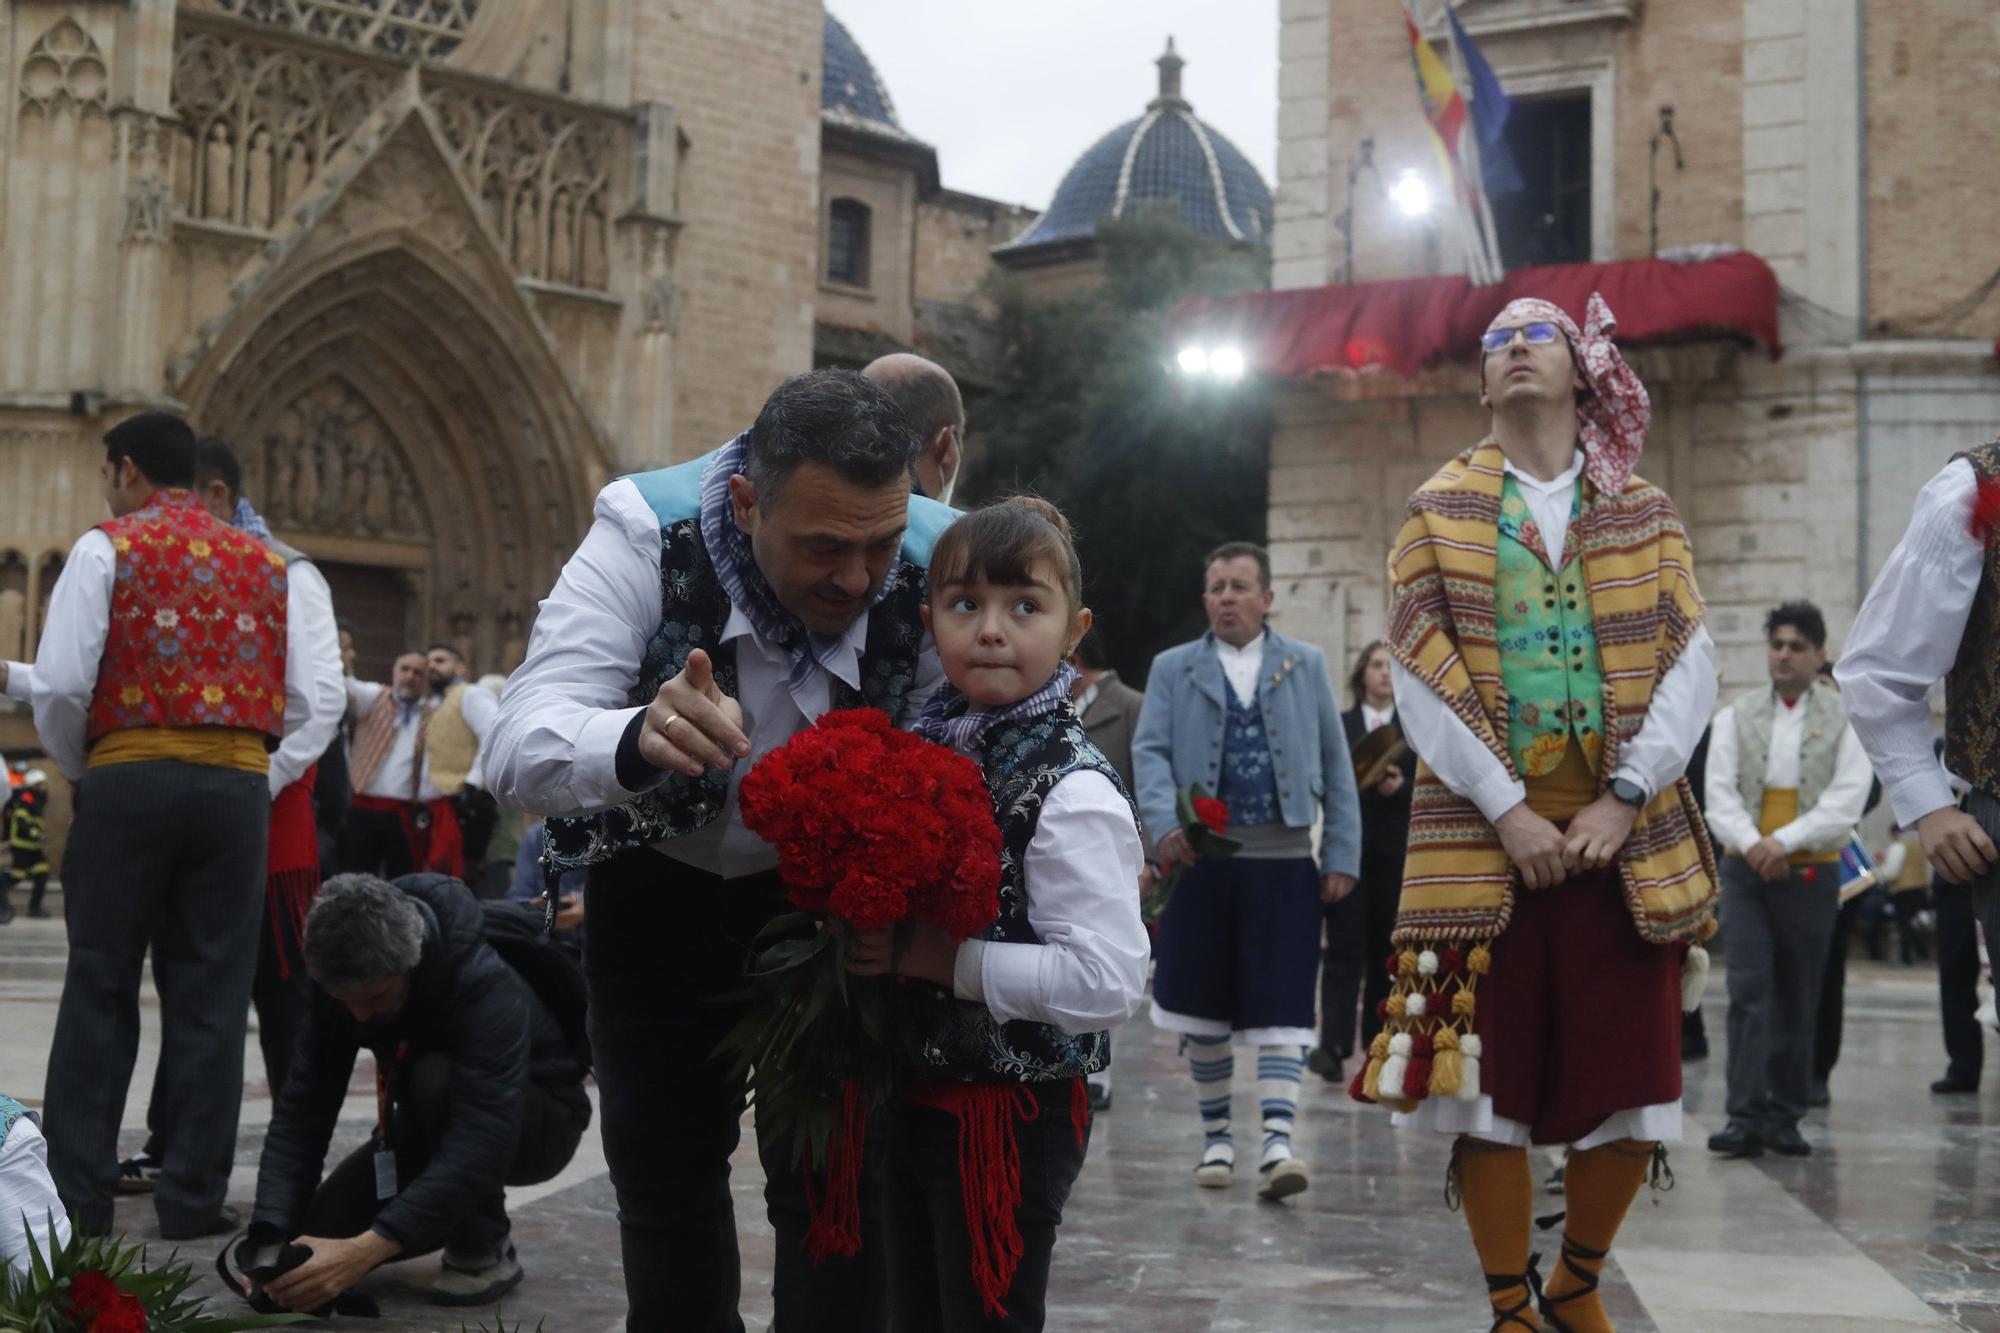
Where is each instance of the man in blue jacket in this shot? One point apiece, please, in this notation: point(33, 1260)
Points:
point(1249, 715)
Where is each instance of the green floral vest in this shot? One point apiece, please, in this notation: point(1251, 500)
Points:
point(1548, 645)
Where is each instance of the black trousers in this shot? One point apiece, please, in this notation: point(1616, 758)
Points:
point(374, 843)
point(1827, 1024)
point(279, 994)
point(664, 944)
point(1958, 978)
point(1357, 942)
point(930, 1249)
point(345, 1202)
point(170, 856)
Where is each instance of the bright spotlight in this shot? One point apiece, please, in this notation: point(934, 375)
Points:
point(1412, 196)
point(1193, 361)
point(1226, 363)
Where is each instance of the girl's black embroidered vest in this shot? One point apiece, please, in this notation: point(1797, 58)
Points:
point(693, 613)
point(1024, 760)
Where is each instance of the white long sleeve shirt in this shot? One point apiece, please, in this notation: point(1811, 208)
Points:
point(554, 748)
point(1652, 760)
point(72, 648)
point(1824, 827)
point(1906, 638)
point(311, 637)
point(392, 780)
point(28, 1196)
point(1089, 971)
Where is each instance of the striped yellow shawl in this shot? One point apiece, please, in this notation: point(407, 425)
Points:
point(1458, 886)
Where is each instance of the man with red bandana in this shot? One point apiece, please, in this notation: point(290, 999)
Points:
point(1552, 671)
point(166, 674)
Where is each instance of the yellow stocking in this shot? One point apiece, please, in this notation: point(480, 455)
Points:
point(1498, 1191)
point(1598, 1188)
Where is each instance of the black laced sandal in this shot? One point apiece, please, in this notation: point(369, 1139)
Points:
point(1531, 1279)
point(1571, 1251)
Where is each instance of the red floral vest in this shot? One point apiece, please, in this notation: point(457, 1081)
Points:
point(197, 634)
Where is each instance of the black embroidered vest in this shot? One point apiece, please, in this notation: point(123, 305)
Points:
point(1972, 689)
point(1024, 760)
point(693, 613)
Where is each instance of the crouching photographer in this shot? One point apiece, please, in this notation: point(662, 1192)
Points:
point(476, 1024)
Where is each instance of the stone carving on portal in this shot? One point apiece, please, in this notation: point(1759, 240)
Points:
point(411, 29)
point(258, 124)
point(543, 176)
point(329, 464)
point(262, 120)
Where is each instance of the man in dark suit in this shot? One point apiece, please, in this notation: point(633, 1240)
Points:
point(1109, 709)
point(1358, 926)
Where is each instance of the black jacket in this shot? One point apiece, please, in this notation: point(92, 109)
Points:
point(465, 1002)
point(1385, 820)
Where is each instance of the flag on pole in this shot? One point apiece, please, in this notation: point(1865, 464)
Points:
point(1490, 108)
point(1445, 111)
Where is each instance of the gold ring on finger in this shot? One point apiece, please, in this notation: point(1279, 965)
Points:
point(668, 725)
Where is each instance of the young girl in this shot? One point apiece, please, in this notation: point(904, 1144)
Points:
point(985, 1146)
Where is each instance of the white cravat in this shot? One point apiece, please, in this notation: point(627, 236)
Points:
point(1241, 665)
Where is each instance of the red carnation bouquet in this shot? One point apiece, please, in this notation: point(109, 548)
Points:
point(1204, 821)
point(874, 828)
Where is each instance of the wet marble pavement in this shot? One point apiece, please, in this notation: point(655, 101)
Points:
point(1893, 1224)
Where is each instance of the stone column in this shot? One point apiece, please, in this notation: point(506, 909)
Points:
point(144, 144)
point(647, 233)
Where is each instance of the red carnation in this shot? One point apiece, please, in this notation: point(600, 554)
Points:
point(877, 826)
point(1213, 813)
point(92, 1291)
point(125, 1315)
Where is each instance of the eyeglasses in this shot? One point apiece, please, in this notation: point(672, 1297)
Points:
point(1537, 333)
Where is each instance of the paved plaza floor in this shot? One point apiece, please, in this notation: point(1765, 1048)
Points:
point(1893, 1223)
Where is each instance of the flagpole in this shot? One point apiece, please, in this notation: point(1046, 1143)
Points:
point(1489, 234)
point(1463, 223)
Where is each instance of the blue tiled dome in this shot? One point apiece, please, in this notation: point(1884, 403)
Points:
point(849, 87)
point(1166, 154)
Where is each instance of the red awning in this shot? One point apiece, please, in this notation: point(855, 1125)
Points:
point(1406, 324)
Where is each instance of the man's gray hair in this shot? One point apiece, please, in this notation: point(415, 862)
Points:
point(838, 419)
point(361, 929)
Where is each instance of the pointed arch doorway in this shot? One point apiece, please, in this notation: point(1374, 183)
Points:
point(400, 415)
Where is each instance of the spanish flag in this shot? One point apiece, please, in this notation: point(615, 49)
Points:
point(1444, 105)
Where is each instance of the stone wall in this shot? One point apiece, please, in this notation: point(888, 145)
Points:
point(1933, 134)
point(746, 261)
point(885, 303)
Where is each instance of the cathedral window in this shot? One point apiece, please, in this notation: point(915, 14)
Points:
point(847, 227)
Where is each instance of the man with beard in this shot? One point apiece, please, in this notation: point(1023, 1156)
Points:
point(714, 610)
point(415, 743)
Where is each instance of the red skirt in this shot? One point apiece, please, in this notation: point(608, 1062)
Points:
point(1578, 1017)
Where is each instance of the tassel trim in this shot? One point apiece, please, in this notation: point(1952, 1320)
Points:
point(833, 1220)
point(1694, 978)
point(1427, 1047)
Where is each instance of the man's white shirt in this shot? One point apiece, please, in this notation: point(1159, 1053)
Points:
point(1906, 638)
point(1823, 827)
point(554, 746)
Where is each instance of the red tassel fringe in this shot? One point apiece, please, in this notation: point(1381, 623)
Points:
point(1986, 511)
point(833, 1230)
point(989, 1175)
